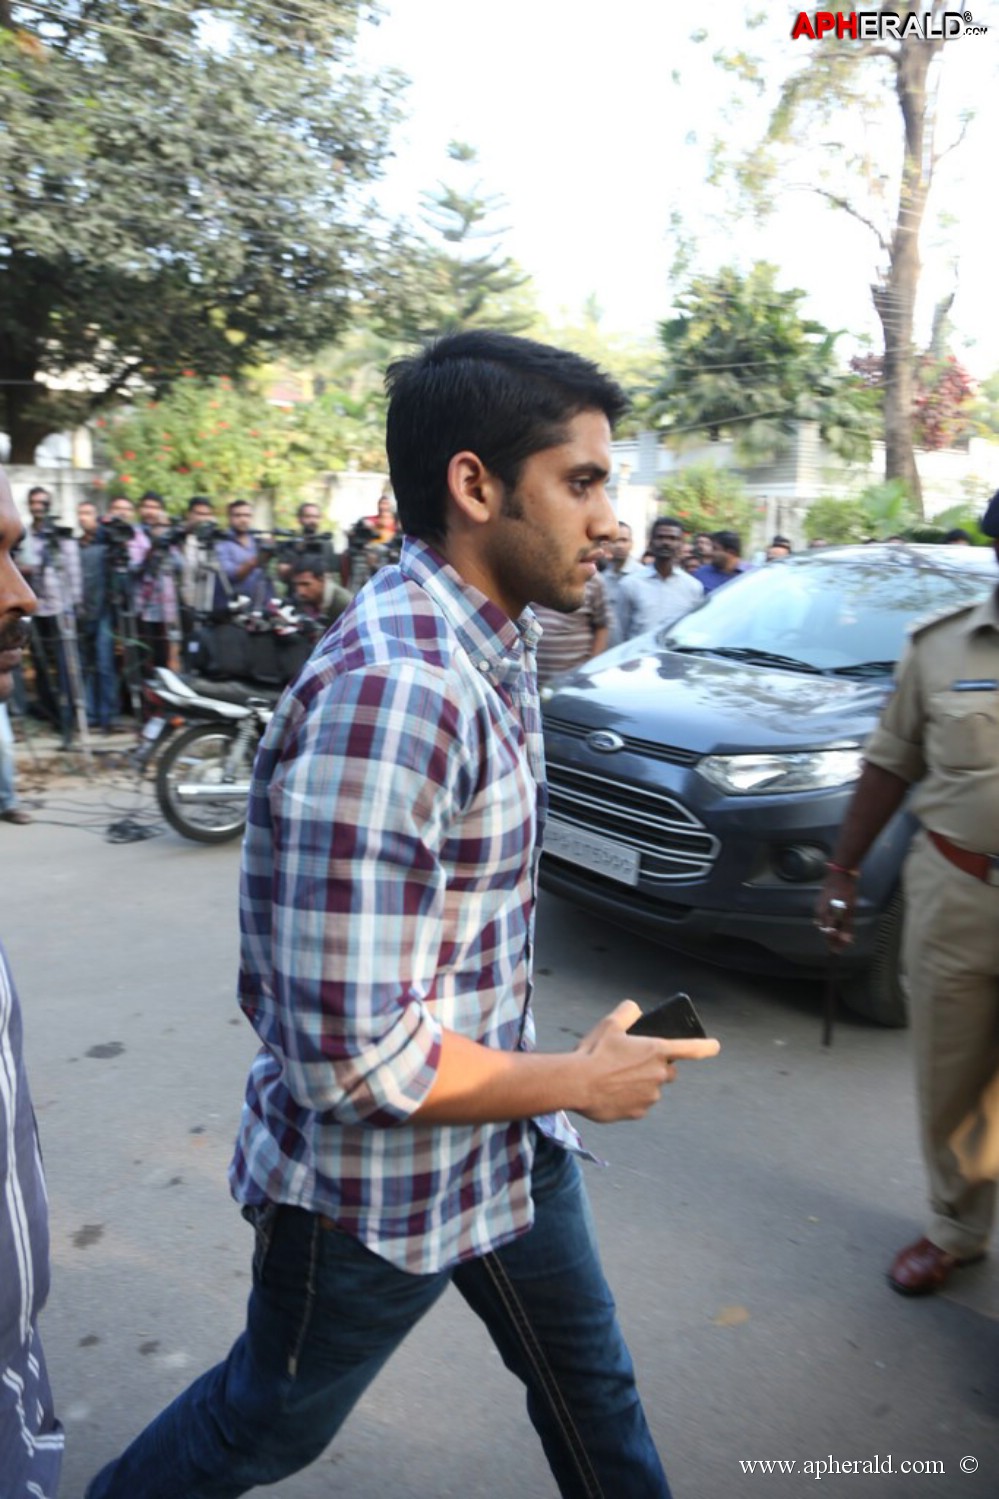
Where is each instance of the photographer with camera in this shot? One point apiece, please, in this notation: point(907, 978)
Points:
point(316, 594)
point(157, 613)
point(50, 561)
point(243, 556)
point(192, 551)
point(373, 541)
point(309, 548)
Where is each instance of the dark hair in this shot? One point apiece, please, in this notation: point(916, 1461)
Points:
point(151, 494)
point(233, 503)
point(957, 533)
point(729, 541)
point(307, 505)
point(781, 541)
point(665, 520)
point(500, 397)
point(199, 499)
point(39, 489)
point(314, 567)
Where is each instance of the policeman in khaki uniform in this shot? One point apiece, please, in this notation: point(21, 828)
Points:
point(940, 731)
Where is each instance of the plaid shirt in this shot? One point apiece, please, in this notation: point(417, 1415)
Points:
point(388, 891)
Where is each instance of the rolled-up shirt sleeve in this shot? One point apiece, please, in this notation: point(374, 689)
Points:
point(896, 745)
point(361, 799)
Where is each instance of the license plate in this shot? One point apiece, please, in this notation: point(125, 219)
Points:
point(592, 851)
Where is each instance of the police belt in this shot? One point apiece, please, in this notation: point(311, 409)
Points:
point(982, 866)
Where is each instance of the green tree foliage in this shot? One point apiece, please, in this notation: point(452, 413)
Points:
point(968, 515)
point(879, 511)
point(450, 273)
point(227, 440)
point(836, 521)
point(707, 498)
point(741, 362)
point(984, 410)
point(634, 364)
point(182, 188)
point(837, 95)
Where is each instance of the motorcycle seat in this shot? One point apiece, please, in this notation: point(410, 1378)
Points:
point(233, 692)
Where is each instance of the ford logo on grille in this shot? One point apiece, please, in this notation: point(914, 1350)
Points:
point(605, 741)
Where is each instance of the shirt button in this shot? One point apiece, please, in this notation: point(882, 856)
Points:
point(483, 665)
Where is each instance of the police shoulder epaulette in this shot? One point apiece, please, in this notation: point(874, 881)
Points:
point(926, 622)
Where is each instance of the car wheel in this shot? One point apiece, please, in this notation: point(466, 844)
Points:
point(878, 992)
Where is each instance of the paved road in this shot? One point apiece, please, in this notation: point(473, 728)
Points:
point(745, 1225)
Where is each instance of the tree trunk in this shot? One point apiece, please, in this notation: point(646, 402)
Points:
point(25, 428)
point(895, 294)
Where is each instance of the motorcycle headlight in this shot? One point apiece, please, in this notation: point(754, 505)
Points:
point(803, 770)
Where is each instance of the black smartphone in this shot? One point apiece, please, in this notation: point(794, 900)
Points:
point(674, 1020)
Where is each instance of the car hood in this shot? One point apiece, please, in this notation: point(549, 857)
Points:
point(707, 704)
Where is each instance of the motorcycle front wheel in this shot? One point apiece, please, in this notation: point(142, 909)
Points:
point(203, 782)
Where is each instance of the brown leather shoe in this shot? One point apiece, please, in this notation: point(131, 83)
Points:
point(12, 814)
point(922, 1268)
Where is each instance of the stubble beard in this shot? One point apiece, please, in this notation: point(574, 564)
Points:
point(561, 594)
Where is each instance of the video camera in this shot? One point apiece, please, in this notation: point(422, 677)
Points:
point(294, 545)
point(360, 536)
point(174, 535)
point(51, 530)
point(116, 529)
point(266, 545)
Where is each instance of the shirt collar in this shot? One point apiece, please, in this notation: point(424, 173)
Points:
point(495, 642)
point(984, 615)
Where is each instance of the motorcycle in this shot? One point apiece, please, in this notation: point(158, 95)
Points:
point(203, 771)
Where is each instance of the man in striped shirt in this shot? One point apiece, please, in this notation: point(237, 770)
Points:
point(400, 1132)
point(31, 1439)
point(570, 639)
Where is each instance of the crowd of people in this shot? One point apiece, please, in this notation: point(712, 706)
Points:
point(133, 588)
point(626, 597)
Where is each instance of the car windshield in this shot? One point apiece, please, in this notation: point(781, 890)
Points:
point(841, 612)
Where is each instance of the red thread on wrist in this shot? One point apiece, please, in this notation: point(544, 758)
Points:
point(851, 874)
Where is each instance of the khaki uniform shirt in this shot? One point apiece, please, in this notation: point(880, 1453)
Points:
point(941, 726)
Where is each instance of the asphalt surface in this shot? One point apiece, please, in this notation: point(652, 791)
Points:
point(745, 1225)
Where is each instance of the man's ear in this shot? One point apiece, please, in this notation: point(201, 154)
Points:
point(476, 492)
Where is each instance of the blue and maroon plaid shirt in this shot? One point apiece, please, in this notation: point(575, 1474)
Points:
point(388, 891)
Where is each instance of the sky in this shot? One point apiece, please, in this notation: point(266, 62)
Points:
point(582, 128)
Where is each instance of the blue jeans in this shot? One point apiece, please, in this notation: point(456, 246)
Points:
point(325, 1314)
point(100, 680)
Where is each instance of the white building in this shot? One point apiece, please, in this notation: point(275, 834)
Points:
point(806, 471)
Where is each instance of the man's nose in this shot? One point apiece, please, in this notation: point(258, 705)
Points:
point(16, 597)
point(604, 524)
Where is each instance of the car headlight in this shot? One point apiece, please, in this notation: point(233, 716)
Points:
point(804, 770)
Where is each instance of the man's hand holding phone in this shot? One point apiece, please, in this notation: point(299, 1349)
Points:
point(626, 1073)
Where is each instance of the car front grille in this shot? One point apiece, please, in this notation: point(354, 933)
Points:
point(650, 749)
point(672, 843)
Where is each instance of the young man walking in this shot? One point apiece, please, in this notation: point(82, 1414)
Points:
point(400, 1132)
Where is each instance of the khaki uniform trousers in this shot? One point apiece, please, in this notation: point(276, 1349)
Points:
point(951, 958)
